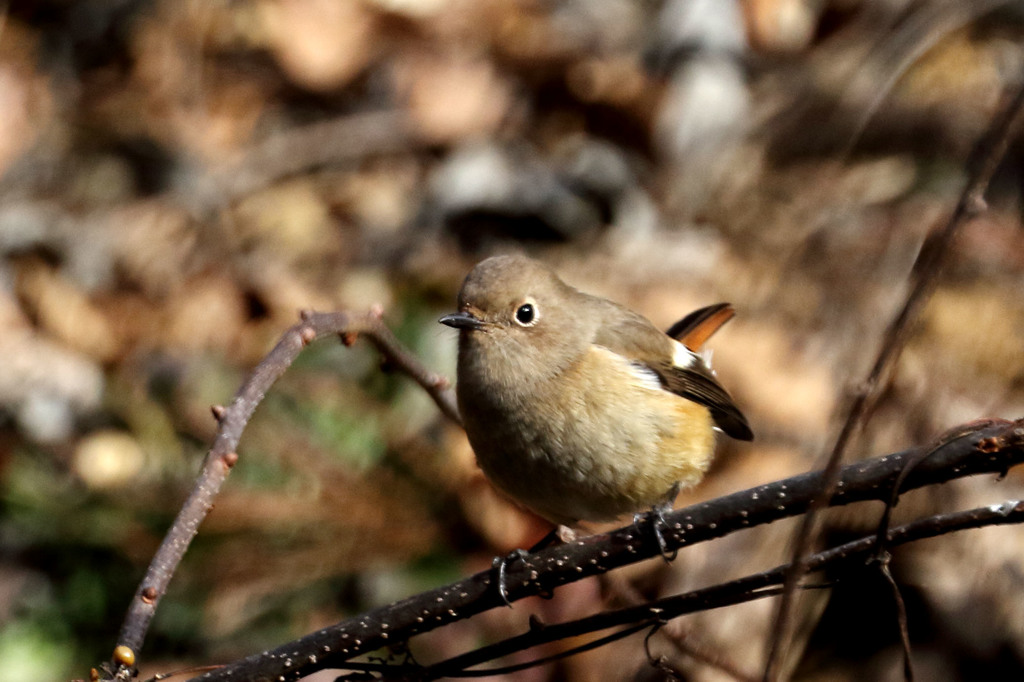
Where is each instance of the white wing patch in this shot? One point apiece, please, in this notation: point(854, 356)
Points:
point(644, 375)
point(683, 356)
point(647, 377)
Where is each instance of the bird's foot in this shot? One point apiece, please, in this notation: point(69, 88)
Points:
point(501, 563)
point(500, 568)
point(655, 517)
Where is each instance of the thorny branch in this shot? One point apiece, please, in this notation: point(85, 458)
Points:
point(993, 449)
point(749, 588)
point(986, 157)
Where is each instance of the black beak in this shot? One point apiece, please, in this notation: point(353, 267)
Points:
point(462, 320)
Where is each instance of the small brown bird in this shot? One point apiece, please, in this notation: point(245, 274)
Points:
point(578, 408)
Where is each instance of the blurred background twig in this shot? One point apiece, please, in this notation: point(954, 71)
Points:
point(924, 276)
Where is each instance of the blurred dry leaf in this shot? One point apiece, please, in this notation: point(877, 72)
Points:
point(788, 389)
point(226, 122)
point(959, 77)
point(289, 220)
point(46, 385)
point(413, 8)
point(781, 25)
point(363, 288)
point(206, 108)
point(108, 459)
point(877, 181)
point(384, 197)
point(62, 309)
point(208, 315)
point(321, 44)
point(26, 104)
point(618, 80)
point(454, 96)
point(154, 243)
point(978, 330)
point(525, 32)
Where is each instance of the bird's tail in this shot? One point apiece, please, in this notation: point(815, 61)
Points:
point(695, 329)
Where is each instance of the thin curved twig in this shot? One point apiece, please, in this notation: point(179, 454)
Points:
point(341, 140)
point(232, 421)
point(900, 50)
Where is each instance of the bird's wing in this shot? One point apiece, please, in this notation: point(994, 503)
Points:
point(697, 383)
point(679, 369)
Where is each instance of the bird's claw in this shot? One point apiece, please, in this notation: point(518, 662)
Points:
point(656, 518)
point(500, 568)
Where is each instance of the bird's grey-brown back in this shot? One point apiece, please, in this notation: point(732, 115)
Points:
point(632, 335)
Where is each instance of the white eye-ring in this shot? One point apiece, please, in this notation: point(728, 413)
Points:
point(526, 314)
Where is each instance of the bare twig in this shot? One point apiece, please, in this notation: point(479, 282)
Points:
point(900, 49)
point(223, 455)
point(991, 449)
point(883, 562)
point(987, 156)
point(920, 456)
point(339, 141)
point(883, 557)
point(334, 141)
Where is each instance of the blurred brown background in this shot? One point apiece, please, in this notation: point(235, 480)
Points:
point(178, 179)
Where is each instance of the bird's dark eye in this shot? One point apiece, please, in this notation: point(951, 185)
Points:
point(526, 314)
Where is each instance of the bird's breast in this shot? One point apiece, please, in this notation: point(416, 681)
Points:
point(596, 441)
